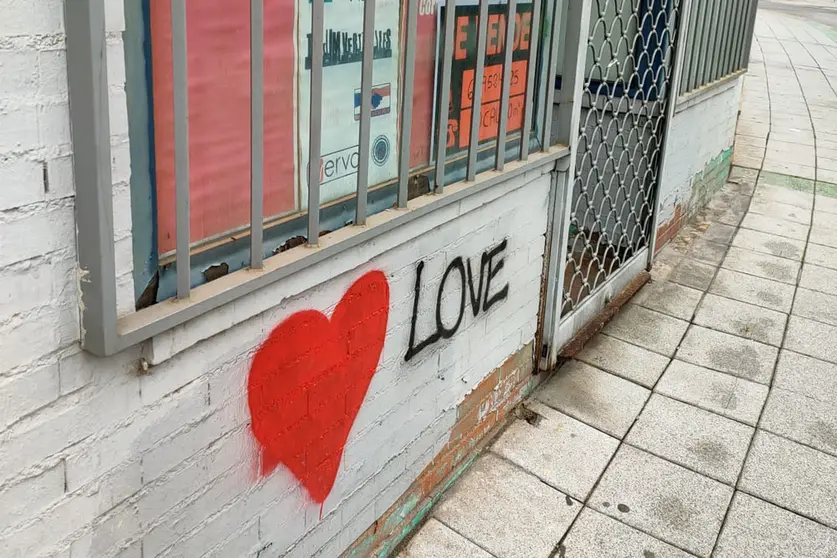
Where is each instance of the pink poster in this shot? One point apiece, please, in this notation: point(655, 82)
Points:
point(218, 38)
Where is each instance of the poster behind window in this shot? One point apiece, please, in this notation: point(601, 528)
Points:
point(342, 60)
point(463, 72)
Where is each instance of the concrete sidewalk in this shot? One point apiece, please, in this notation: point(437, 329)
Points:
point(703, 420)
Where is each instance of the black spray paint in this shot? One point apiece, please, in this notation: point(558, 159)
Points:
point(491, 263)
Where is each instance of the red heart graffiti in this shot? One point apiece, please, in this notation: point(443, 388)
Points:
point(308, 381)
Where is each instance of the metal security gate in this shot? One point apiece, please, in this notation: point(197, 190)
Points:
point(604, 212)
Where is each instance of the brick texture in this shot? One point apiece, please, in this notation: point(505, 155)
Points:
point(100, 457)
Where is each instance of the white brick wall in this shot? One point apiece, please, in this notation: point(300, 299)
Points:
point(99, 459)
point(696, 135)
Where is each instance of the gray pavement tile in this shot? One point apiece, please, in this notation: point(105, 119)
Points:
point(803, 419)
point(812, 338)
point(775, 162)
point(762, 265)
point(808, 376)
point(772, 244)
point(720, 393)
point(696, 439)
point(773, 225)
point(436, 540)
point(823, 235)
point(741, 319)
point(824, 220)
point(781, 211)
point(595, 535)
point(754, 290)
point(727, 353)
point(594, 397)
point(646, 328)
point(818, 278)
point(765, 191)
point(693, 274)
point(743, 176)
point(570, 455)
point(757, 529)
point(720, 233)
point(793, 476)
point(669, 298)
point(823, 256)
point(662, 499)
point(534, 516)
point(825, 205)
point(708, 252)
point(815, 305)
point(623, 359)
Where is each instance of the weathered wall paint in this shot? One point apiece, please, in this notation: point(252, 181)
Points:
point(698, 150)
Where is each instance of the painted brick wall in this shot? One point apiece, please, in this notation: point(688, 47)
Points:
point(698, 157)
point(100, 458)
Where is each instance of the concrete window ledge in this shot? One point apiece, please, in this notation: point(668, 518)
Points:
point(395, 227)
point(701, 94)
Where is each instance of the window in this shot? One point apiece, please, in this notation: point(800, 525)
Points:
point(272, 123)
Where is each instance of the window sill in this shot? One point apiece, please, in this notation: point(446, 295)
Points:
point(172, 326)
point(706, 92)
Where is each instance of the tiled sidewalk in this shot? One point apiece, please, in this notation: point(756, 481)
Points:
point(703, 420)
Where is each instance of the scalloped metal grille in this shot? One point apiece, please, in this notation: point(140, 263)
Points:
point(629, 66)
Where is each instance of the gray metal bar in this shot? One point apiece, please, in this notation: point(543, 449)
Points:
point(256, 133)
point(365, 111)
point(315, 122)
point(749, 33)
point(700, 44)
point(679, 52)
point(476, 96)
point(726, 38)
point(407, 103)
point(140, 326)
point(708, 41)
point(511, 14)
point(715, 41)
point(558, 15)
point(84, 21)
point(444, 97)
point(737, 30)
point(529, 107)
point(690, 28)
point(577, 14)
point(181, 145)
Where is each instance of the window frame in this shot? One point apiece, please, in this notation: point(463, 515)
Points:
point(103, 331)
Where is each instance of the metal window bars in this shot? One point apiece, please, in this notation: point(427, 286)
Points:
point(718, 38)
point(87, 68)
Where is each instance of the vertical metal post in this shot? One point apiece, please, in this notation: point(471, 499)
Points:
point(407, 103)
point(508, 44)
point(181, 145)
point(529, 106)
point(671, 102)
point(315, 122)
point(365, 110)
point(691, 30)
point(476, 95)
point(555, 42)
point(444, 97)
point(749, 33)
point(84, 21)
point(725, 39)
point(568, 121)
point(256, 133)
point(712, 45)
point(700, 44)
point(738, 34)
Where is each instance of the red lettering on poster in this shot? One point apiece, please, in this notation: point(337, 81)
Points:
point(492, 83)
point(308, 381)
point(490, 120)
